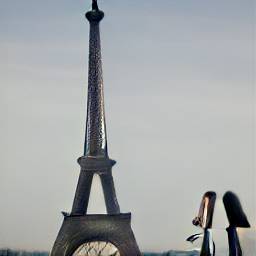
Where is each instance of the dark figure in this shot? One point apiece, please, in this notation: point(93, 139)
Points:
point(237, 219)
point(204, 220)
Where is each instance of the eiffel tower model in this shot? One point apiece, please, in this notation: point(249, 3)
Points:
point(78, 227)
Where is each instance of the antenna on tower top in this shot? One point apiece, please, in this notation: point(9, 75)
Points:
point(95, 5)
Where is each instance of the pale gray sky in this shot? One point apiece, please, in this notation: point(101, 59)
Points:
point(178, 81)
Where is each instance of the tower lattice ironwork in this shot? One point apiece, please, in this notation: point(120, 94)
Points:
point(79, 227)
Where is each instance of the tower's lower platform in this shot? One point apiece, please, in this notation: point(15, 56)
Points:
point(77, 230)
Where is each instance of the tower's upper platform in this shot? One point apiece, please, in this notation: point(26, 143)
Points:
point(95, 15)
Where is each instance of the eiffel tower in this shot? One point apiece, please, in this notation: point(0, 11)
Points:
point(78, 227)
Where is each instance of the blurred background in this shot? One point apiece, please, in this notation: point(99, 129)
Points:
point(179, 96)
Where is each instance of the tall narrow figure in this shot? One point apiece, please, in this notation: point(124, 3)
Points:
point(95, 159)
point(80, 228)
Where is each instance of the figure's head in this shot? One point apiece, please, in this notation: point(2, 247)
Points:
point(234, 210)
point(205, 214)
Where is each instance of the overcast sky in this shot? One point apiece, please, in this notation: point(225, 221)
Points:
point(178, 79)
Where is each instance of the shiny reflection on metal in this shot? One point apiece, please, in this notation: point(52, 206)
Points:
point(237, 219)
point(206, 210)
point(97, 248)
point(204, 220)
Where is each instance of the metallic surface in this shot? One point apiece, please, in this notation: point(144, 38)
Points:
point(95, 138)
point(79, 227)
point(204, 220)
point(95, 159)
point(237, 219)
point(77, 230)
point(206, 210)
point(208, 246)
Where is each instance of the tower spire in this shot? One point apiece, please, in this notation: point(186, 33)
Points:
point(79, 228)
point(95, 137)
point(95, 159)
point(95, 5)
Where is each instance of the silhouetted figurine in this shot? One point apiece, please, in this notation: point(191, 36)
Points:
point(237, 219)
point(204, 220)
